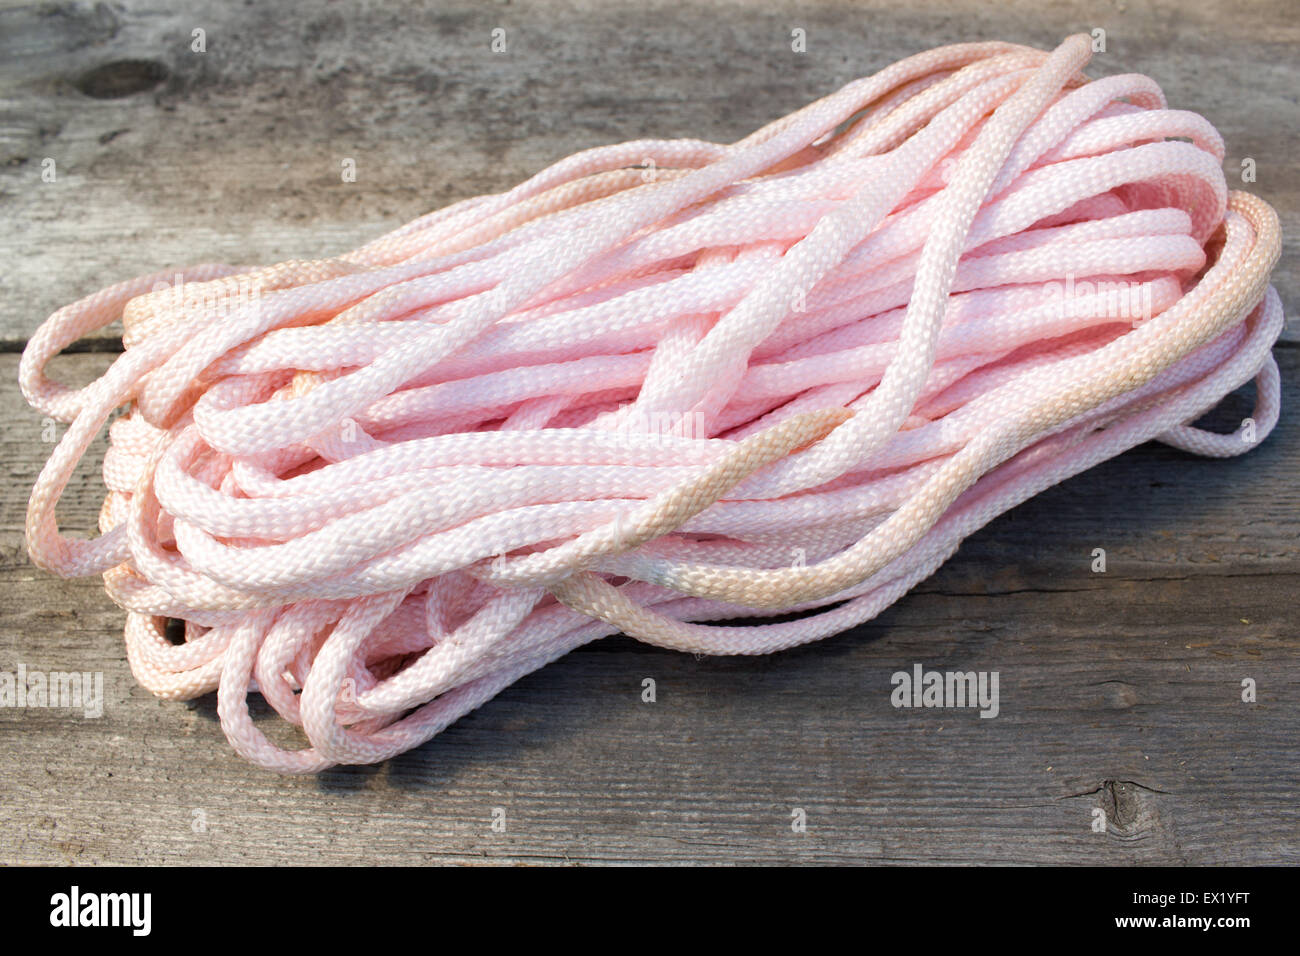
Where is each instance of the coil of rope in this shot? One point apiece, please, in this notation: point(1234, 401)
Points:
point(659, 384)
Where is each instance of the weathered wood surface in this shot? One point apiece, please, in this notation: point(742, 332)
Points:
point(1119, 691)
point(235, 154)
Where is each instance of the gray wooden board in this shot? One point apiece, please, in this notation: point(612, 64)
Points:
point(234, 154)
point(1120, 691)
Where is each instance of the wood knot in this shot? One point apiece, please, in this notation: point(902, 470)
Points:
point(119, 78)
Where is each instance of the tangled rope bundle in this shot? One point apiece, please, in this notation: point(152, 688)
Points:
point(658, 384)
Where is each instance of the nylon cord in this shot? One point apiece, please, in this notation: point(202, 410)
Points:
point(659, 384)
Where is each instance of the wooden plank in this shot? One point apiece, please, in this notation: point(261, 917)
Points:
point(234, 154)
point(1120, 691)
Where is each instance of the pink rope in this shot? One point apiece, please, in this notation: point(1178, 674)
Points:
point(658, 384)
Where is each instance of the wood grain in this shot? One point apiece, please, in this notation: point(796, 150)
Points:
point(1120, 691)
point(235, 154)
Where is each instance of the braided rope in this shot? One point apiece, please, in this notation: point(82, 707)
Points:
point(659, 383)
